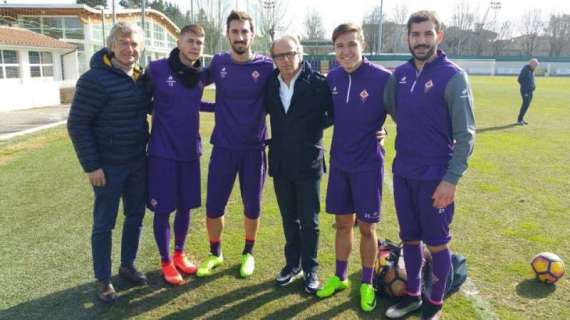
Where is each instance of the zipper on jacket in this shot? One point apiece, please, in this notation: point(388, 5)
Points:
point(349, 85)
point(418, 74)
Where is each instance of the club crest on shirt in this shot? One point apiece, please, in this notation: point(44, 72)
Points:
point(334, 91)
point(201, 84)
point(404, 80)
point(428, 86)
point(223, 72)
point(364, 95)
point(170, 81)
point(153, 203)
point(255, 75)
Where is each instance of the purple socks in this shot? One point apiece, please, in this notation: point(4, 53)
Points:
point(161, 227)
point(248, 248)
point(215, 248)
point(413, 257)
point(367, 275)
point(441, 266)
point(341, 269)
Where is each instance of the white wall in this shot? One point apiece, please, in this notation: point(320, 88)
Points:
point(70, 66)
point(30, 93)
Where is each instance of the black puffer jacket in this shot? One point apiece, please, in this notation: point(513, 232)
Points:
point(107, 121)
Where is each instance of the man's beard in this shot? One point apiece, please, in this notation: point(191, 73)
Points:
point(427, 56)
point(237, 50)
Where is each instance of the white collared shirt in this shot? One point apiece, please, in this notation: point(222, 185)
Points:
point(286, 91)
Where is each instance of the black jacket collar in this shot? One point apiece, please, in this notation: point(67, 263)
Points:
point(189, 75)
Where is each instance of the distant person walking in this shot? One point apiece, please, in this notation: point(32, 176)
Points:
point(526, 81)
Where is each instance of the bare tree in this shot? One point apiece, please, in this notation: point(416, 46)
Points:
point(531, 28)
point(314, 29)
point(501, 42)
point(272, 18)
point(460, 28)
point(558, 32)
point(400, 16)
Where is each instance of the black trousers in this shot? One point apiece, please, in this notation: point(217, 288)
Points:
point(299, 203)
point(526, 99)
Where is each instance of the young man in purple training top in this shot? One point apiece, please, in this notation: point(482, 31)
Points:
point(435, 136)
point(355, 179)
point(176, 84)
point(238, 138)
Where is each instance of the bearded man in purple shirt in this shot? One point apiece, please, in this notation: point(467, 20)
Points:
point(238, 138)
point(356, 166)
point(435, 137)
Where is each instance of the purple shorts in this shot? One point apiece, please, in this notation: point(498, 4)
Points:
point(418, 219)
point(355, 192)
point(173, 185)
point(249, 165)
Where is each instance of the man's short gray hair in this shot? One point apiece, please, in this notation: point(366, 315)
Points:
point(121, 29)
point(293, 39)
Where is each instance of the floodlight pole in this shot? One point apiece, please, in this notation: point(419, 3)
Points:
point(114, 13)
point(142, 59)
point(380, 26)
point(102, 8)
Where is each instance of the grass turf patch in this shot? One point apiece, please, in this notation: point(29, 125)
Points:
point(512, 204)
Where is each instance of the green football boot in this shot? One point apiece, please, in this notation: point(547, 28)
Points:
point(247, 265)
point(367, 297)
point(207, 267)
point(332, 285)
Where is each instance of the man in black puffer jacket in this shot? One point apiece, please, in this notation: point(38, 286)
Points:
point(109, 130)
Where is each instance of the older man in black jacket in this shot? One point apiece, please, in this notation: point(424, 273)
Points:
point(108, 127)
point(299, 103)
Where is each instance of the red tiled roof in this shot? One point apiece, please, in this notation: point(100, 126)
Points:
point(25, 38)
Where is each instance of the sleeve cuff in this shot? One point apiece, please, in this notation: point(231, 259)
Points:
point(451, 178)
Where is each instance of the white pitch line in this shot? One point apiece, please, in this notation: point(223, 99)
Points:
point(482, 306)
point(8, 136)
point(469, 289)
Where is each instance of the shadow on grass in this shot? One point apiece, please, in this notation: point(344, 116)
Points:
point(497, 128)
point(532, 289)
point(81, 302)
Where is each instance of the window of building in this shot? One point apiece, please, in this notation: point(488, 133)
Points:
point(32, 23)
point(9, 64)
point(73, 28)
point(171, 41)
point(97, 32)
point(158, 36)
point(41, 64)
point(55, 27)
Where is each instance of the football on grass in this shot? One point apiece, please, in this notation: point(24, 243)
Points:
point(547, 267)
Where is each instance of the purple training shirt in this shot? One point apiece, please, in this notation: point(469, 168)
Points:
point(359, 113)
point(240, 113)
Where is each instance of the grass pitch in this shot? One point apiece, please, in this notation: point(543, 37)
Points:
point(512, 204)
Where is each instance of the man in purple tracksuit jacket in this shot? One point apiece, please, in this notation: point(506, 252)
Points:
point(176, 85)
point(435, 136)
point(357, 159)
point(238, 138)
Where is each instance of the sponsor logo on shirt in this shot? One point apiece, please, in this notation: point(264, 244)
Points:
point(464, 93)
point(428, 86)
point(441, 210)
point(404, 80)
point(255, 75)
point(223, 73)
point(364, 95)
point(334, 91)
point(170, 81)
